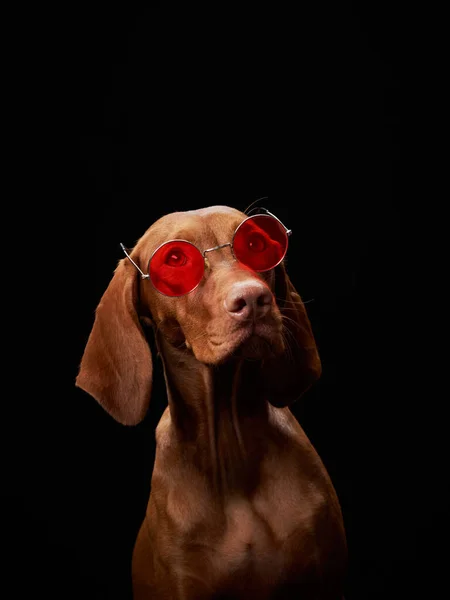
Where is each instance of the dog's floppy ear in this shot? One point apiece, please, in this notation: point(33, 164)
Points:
point(116, 367)
point(288, 376)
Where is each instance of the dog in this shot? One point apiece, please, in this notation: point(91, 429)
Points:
point(241, 506)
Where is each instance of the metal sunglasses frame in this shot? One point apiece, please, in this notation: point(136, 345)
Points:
point(204, 252)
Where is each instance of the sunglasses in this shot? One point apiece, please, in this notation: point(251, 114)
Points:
point(177, 267)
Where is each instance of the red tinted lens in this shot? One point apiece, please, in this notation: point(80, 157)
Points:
point(260, 243)
point(176, 268)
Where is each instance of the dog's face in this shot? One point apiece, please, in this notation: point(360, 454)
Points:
point(232, 312)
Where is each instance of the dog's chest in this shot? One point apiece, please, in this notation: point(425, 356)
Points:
point(260, 538)
point(251, 539)
point(254, 549)
point(250, 536)
point(247, 532)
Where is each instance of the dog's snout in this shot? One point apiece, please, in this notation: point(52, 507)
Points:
point(247, 300)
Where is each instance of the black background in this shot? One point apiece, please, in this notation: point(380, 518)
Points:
point(144, 111)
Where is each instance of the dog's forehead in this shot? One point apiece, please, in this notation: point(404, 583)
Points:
point(214, 220)
point(218, 210)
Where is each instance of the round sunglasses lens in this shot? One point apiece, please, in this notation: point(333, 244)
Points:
point(176, 268)
point(260, 243)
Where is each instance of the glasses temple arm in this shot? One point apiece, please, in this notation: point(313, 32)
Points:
point(288, 231)
point(143, 275)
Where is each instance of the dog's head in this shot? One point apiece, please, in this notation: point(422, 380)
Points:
point(201, 279)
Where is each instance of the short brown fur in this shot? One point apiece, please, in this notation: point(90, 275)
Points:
point(241, 506)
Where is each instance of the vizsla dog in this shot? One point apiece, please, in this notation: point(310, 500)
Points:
point(241, 506)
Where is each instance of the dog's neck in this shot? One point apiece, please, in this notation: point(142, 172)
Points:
point(218, 413)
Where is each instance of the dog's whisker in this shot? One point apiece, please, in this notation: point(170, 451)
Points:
point(287, 343)
point(284, 301)
point(254, 202)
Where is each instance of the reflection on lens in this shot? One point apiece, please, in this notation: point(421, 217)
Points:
point(260, 243)
point(176, 268)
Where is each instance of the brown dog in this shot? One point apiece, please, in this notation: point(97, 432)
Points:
point(241, 506)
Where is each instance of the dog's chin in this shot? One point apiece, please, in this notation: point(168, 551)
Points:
point(249, 346)
point(253, 348)
point(250, 343)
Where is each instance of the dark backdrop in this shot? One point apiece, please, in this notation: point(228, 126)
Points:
point(174, 107)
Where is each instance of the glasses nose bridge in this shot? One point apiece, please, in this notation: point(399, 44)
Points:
point(219, 247)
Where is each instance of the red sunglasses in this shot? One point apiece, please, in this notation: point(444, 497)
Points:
point(176, 267)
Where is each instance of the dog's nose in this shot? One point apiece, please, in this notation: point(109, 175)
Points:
point(248, 300)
